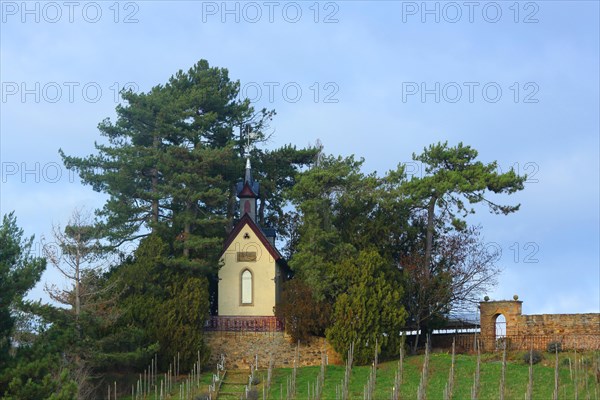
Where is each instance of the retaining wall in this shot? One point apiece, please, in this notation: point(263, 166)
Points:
point(240, 349)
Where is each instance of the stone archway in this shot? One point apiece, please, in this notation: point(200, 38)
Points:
point(490, 311)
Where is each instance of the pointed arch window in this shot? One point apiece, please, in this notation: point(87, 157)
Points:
point(246, 287)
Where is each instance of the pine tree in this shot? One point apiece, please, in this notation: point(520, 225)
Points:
point(453, 176)
point(20, 270)
point(163, 151)
point(171, 160)
point(32, 367)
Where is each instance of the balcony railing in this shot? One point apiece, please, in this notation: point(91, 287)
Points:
point(244, 324)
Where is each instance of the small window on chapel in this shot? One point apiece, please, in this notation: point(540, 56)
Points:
point(246, 287)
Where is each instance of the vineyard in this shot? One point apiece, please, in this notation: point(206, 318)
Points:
point(439, 375)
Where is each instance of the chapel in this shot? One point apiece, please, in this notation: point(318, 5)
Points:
point(252, 268)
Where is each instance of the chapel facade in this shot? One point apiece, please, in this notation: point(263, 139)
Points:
point(252, 270)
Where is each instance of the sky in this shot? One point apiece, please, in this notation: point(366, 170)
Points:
point(518, 81)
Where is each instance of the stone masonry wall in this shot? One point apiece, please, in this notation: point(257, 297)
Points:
point(559, 324)
point(240, 348)
point(574, 331)
point(581, 331)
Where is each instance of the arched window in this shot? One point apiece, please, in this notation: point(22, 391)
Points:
point(500, 326)
point(246, 287)
point(501, 341)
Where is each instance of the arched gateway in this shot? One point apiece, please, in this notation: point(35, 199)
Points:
point(489, 313)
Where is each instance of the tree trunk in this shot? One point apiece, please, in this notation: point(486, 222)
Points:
point(187, 228)
point(429, 238)
point(155, 144)
point(261, 212)
point(78, 256)
point(231, 209)
point(416, 344)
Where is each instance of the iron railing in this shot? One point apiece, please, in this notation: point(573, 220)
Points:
point(244, 324)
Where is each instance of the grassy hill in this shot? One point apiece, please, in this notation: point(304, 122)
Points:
point(517, 377)
point(577, 372)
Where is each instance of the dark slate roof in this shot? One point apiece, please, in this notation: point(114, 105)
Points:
point(269, 232)
point(248, 187)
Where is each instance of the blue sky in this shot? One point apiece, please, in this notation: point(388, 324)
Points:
point(518, 81)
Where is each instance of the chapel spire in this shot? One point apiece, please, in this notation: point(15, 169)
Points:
point(248, 177)
point(248, 192)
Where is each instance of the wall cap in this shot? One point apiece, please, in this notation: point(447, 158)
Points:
point(501, 301)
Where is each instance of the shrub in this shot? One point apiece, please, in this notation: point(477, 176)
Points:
point(303, 315)
point(533, 356)
point(554, 347)
point(255, 380)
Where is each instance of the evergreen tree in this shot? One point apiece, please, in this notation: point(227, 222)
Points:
point(163, 152)
point(167, 305)
point(172, 160)
point(278, 170)
point(20, 270)
point(345, 215)
point(30, 368)
point(109, 340)
point(368, 312)
point(321, 243)
point(341, 211)
point(455, 178)
point(40, 368)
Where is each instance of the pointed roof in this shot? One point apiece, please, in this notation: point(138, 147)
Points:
point(246, 220)
point(249, 187)
point(248, 176)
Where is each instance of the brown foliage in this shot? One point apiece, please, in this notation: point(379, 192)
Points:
point(303, 315)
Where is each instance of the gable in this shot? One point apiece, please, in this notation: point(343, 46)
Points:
point(247, 235)
point(247, 191)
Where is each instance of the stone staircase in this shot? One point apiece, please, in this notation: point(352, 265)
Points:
point(232, 386)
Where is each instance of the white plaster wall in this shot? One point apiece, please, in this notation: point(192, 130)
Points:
point(263, 274)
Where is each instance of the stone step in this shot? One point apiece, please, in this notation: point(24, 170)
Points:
point(230, 395)
point(231, 379)
point(233, 385)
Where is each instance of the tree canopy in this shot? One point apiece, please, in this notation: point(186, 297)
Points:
point(417, 227)
point(172, 158)
point(454, 178)
point(372, 254)
point(20, 270)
